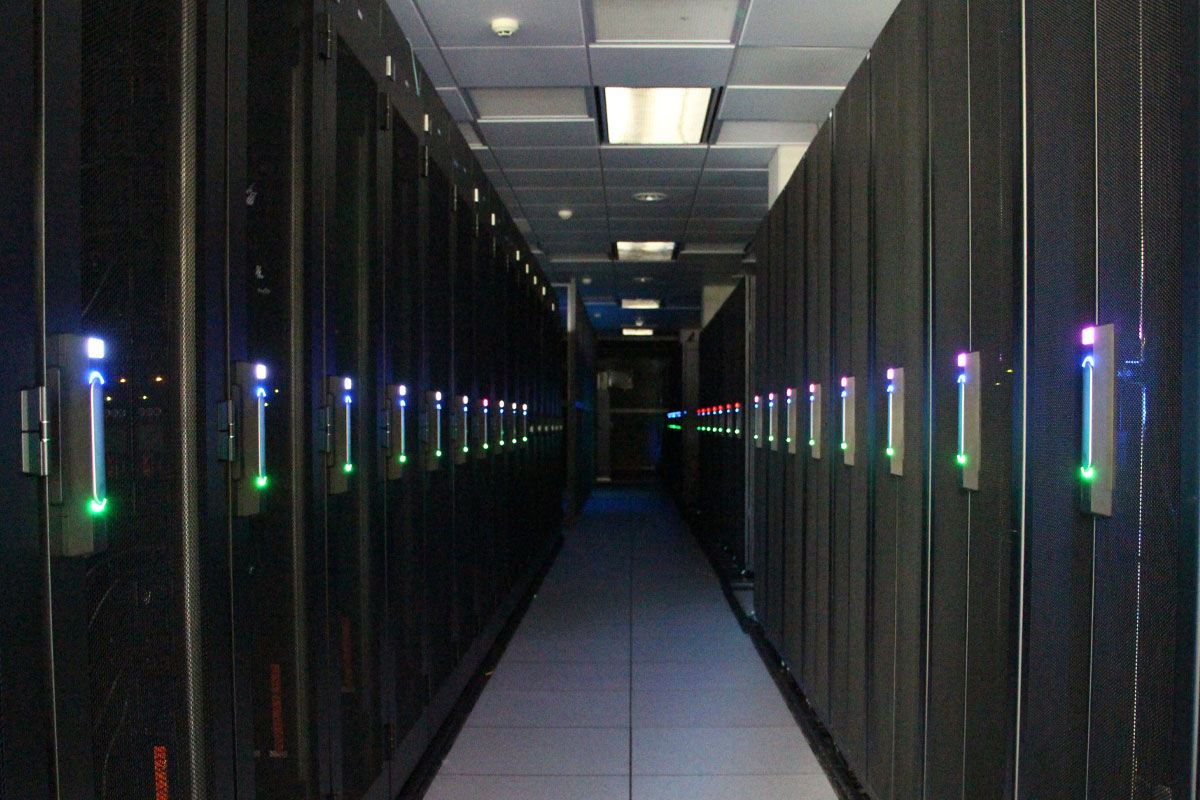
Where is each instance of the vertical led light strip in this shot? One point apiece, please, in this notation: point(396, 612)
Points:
point(403, 404)
point(756, 422)
point(348, 384)
point(891, 393)
point(737, 419)
point(437, 397)
point(771, 418)
point(845, 394)
point(99, 489)
point(969, 455)
point(895, 393)
point(962, 408)
point(512, 408)
point(1098, 436)
point(1087, 469)
point(261, 479)
point(466, 421)
point(487, 430)
point(815, 422)
point(524, 422)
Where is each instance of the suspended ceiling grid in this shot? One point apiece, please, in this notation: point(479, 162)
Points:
point(528, 103)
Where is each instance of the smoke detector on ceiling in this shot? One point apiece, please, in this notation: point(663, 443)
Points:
point(505, 26)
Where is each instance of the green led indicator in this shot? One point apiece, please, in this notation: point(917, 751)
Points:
point(891, 452)
point(97, 506)
point(524, 438)
point(1087, 472)
point(961, 458)
point(348, 468)
point(403, 459)
point(466, 449)
point(486, 445)
point(261, 481)
point(770, 438)
point(845, 446)
point(737, 432)
point(789, 440)
point(438, 453)
point(812, 442)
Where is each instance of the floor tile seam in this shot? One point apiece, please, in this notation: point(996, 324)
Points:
point(537, 774)
point(727, 774)
point(622, 728)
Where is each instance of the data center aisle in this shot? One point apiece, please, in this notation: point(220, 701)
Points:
point(630, 678)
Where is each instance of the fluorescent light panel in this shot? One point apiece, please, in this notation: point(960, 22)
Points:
point(637, 331)
point(645, 251)
point(656, 116)
point(636, 304)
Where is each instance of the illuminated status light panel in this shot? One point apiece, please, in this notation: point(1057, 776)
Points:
point(895, 420)
point(773, 421)
point(848, 439)
point(675, 420)
point(968, 455)
point(432, 430)
point(248, 436)
point(339, 432)
point(63, 438)
point(756, 422)
point(815, 420)
point(791, 421)
point(1098, 434)
point(396, 429)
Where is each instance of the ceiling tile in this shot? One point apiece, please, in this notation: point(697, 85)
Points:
point(435, 66)
point(649, 65)
point(651, 178)
point(581, 211)
point(795, 66)
point(524, 103)
point(778, 104)
point(664, 20)
point(752, 211)
point(553, 177)
point(666, 157)
point(740, 157)
point(678, 198)
point(554, 133)
point(486, 158)
point(455, 104)
point(455, 23)
point(734, 177)
point(763, 133)
point(411, 23)
point(719, 194)
point(815, 23)
point(548, 157)
point(519, 66)
point(561, 197)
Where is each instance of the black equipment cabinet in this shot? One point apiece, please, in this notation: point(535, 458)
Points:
point(239, 236)
point(899, 142)
point(974, 119)
point(851, 419)
point(813, 395)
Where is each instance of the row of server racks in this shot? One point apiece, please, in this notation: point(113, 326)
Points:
point(285, 395)
point(970, 424)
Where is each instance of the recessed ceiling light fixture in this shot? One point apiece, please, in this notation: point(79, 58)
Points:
point(645, 251)
point(638, 304)
point(649, 197)
point(586, 280)
point(505, 26)
point(637, 331)
point(642, 279)
point(656, 116)
point(565, 214)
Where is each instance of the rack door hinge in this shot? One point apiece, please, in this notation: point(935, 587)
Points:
point(35, 432)
point(227, 428)
point(325, 46)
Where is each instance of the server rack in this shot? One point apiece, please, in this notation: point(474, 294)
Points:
point(1001, 600)
point(236, 228)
